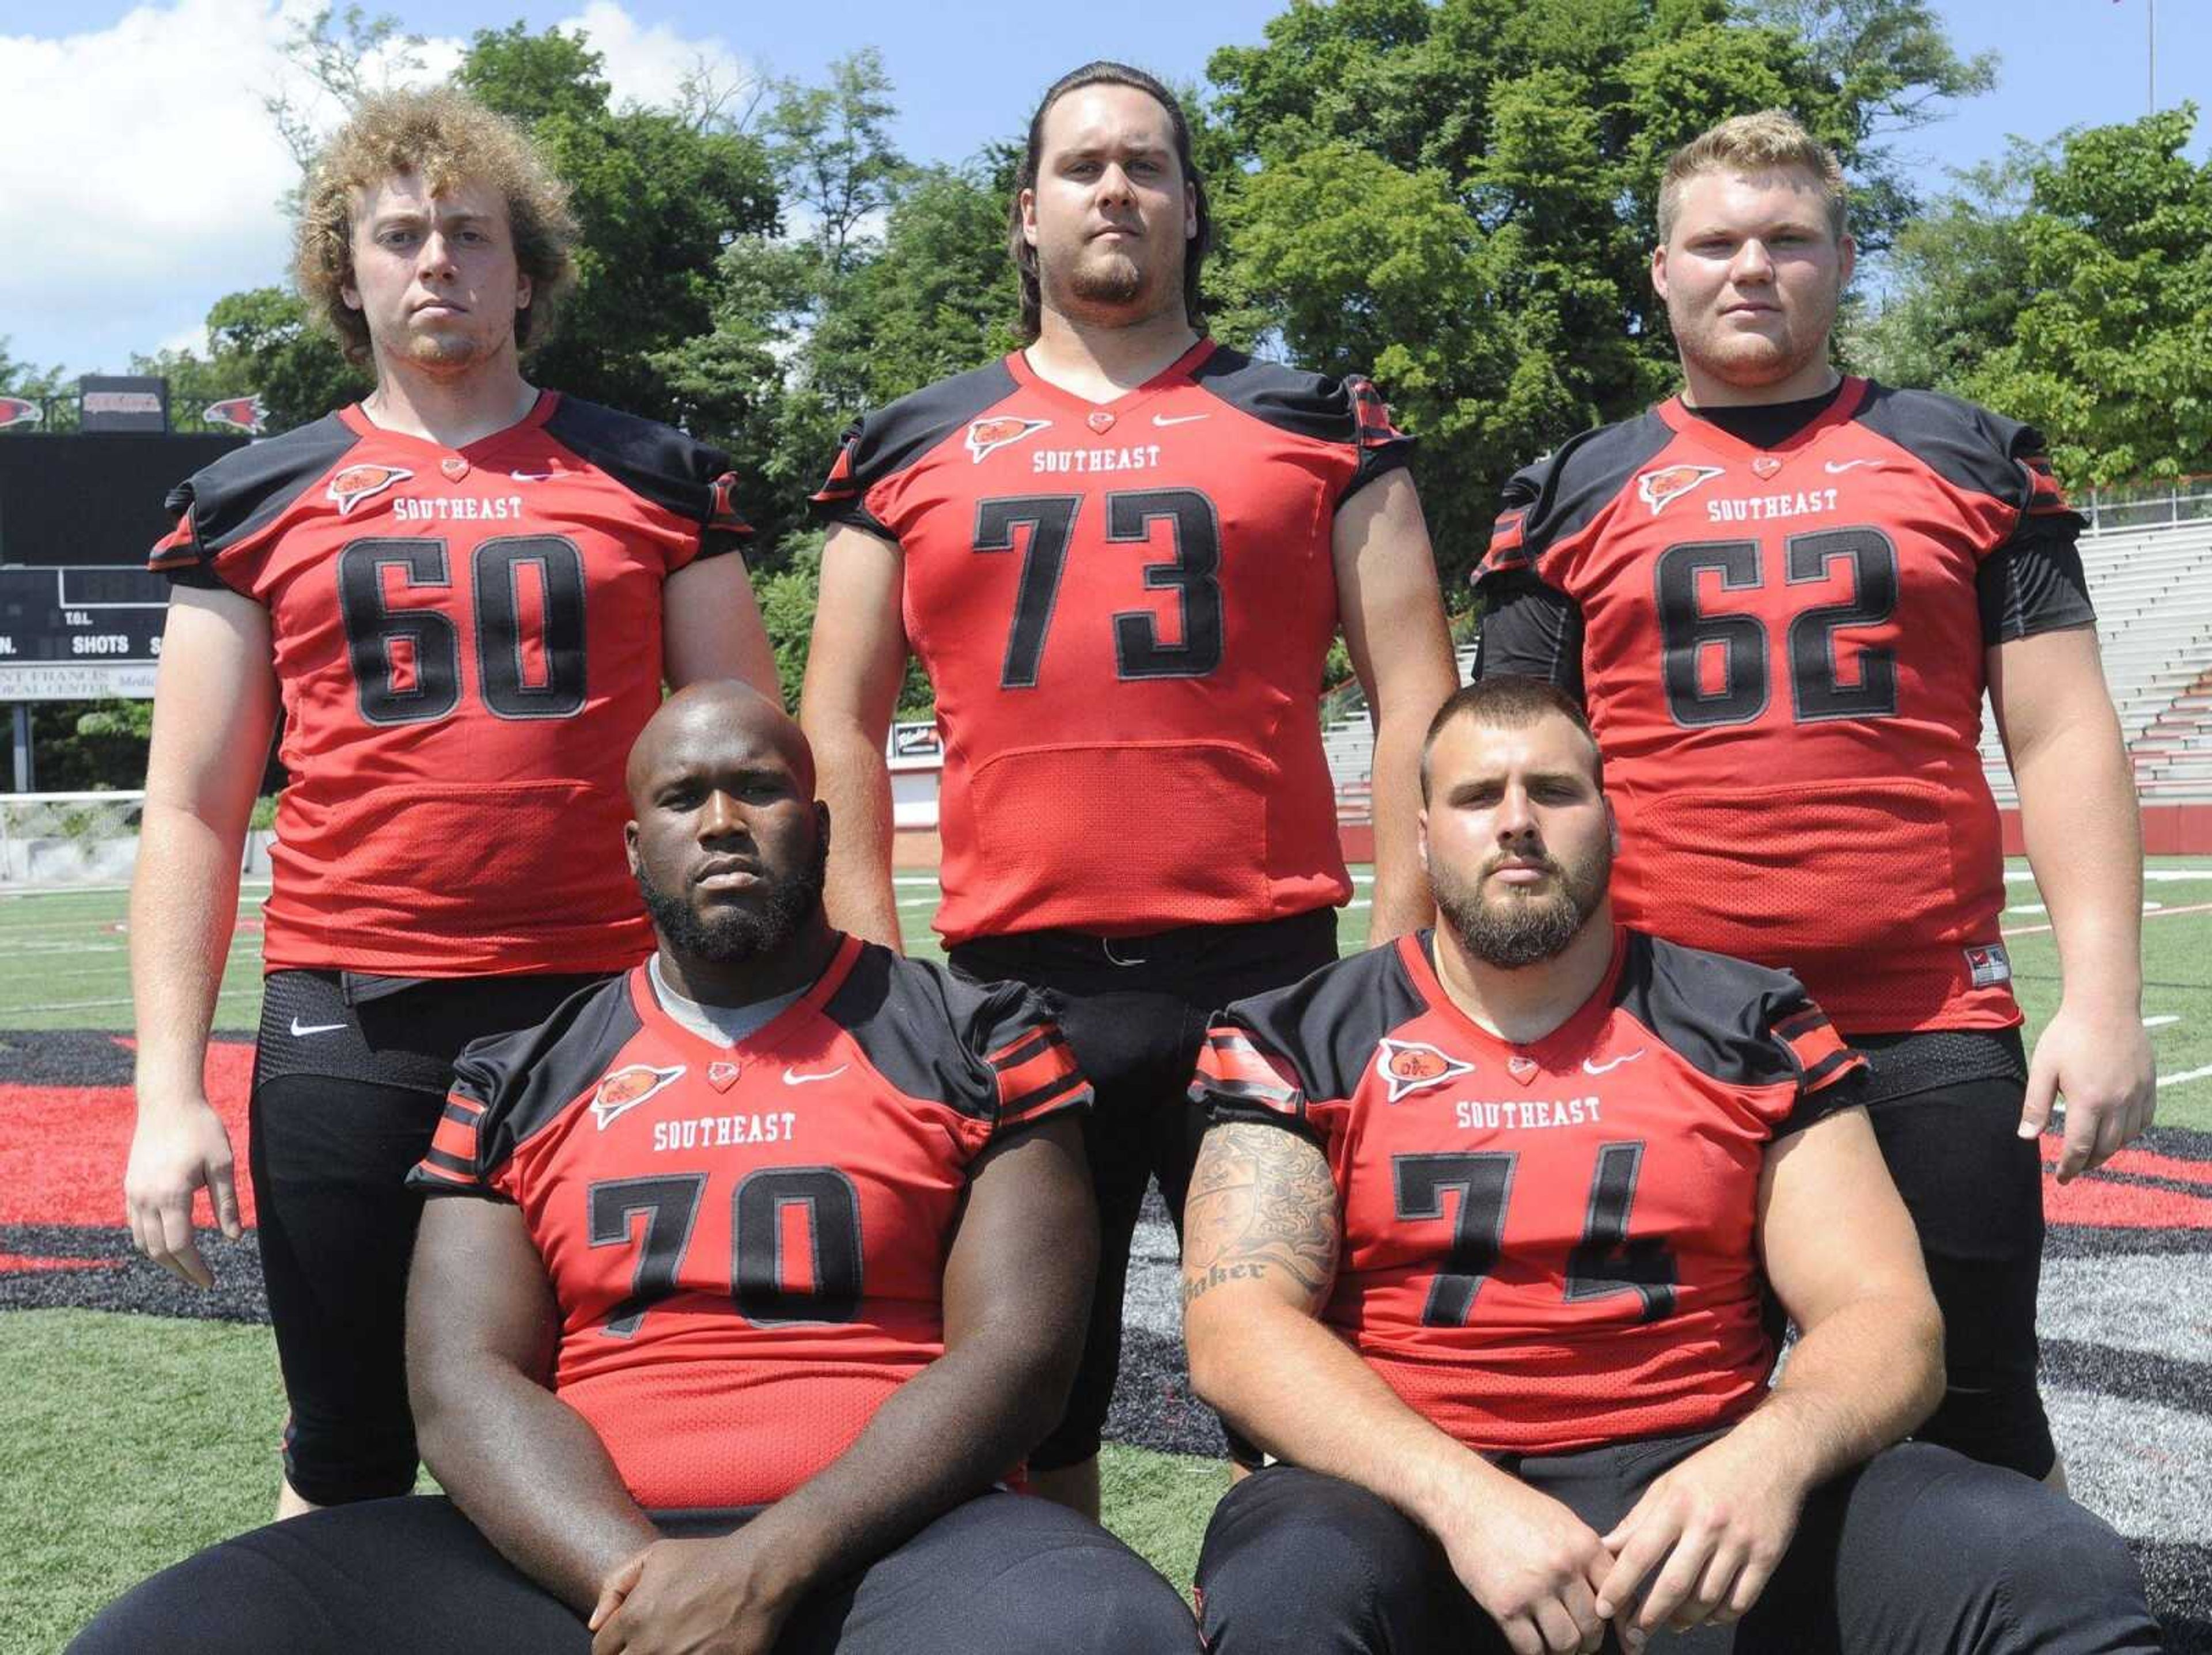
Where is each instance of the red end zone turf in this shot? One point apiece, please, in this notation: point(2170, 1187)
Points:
point(63, 1147)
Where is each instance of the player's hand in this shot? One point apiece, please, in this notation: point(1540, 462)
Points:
point(1708, 1536)
point(692, 1597)
point(175, 1149)
point(2099, 1061)
point(1532, 1564)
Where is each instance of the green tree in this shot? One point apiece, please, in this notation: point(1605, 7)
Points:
point(1459, 197)
point(831, 148)
point(658, 195)
point(292, 362)
point(2074, 290)
point(889, 275)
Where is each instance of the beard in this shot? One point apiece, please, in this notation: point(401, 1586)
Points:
point(730, 936)
point(1095, 279)
point(1522, 927)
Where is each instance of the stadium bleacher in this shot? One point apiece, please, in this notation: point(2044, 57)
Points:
point(2152, 584)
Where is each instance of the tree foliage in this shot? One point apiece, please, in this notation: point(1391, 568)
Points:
point(1459, 197)
point(2072, 288)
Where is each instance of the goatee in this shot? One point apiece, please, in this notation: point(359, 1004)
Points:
point(1522, 927)
point(730, 936)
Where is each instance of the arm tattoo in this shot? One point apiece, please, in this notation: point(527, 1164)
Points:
point(1261, 1202)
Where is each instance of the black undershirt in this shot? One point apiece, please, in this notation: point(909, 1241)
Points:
point(1768, 424)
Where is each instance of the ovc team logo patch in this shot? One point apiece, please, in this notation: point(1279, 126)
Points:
point(627, 1087)
point(987, 436)
point(1409, 1066)
point(1988, 964)
point(357, 482)
point(1656, 489)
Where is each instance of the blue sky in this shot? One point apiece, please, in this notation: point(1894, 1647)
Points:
point(149, 189)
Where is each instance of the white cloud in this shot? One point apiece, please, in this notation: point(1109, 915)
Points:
point(647, 66)
point(144, 180)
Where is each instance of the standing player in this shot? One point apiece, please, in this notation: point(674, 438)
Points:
point(466, 594)
point(1120, 555)
point(1781, 596)
point(1477, 1247)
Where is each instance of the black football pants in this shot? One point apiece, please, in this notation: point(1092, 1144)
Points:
point(1919, 1552)
point(345, 1098)
point(1004, 1574)
point(1974, 1188)
point(1134, 1010)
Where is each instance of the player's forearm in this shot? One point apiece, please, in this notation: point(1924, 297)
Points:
point(528, 1472)
point(1870, 1371)
point(1301, 1393)
point(184, 903)
point(944, 1437)
point(856, 784)
point(1401, 897)
point(2078, 813)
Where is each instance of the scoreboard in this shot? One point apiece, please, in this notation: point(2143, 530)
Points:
point(80, 633)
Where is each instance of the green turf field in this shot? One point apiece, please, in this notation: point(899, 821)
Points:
point(127, 1442)
point(63, 964)
point(130, 1442)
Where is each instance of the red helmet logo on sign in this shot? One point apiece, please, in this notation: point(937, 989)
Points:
point(240, 413)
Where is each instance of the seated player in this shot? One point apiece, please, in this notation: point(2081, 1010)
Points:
point(757, 1267)
point(1476, 1249)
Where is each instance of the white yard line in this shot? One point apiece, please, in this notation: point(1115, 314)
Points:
point(2148, 913)
point(2186, 1076)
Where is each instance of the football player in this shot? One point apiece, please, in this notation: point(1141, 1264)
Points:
point(1477, 1249)
point(1781, 595)
point(1120, 555)
point(464, 594)
point(753, 1270)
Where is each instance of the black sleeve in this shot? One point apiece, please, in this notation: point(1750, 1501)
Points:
point(1383, 448)
point(2034, 583)
point(1530, 630)
point(843, 496)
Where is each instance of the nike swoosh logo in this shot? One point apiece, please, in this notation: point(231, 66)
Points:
point(1833, 467)
point(300, 1030)
point(531, 477)
point(793, 1078)
point(1178, 419)
point(1589, 1067)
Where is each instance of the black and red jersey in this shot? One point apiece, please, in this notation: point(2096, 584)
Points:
point(1125, 609)
point(466, 641)
point(1551, 1246)
point(747, 1243)
point(1781, 650)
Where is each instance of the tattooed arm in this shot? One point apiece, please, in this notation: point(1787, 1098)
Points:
point(1261, 1237)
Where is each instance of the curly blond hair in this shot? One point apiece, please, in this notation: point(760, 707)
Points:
point(446, 138)
point(1769, 140)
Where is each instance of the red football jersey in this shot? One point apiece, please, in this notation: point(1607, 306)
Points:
point(747, 1243)
point(1552, 1246)
point(1125, 609)
point(1782, 652)
point(467, 640)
